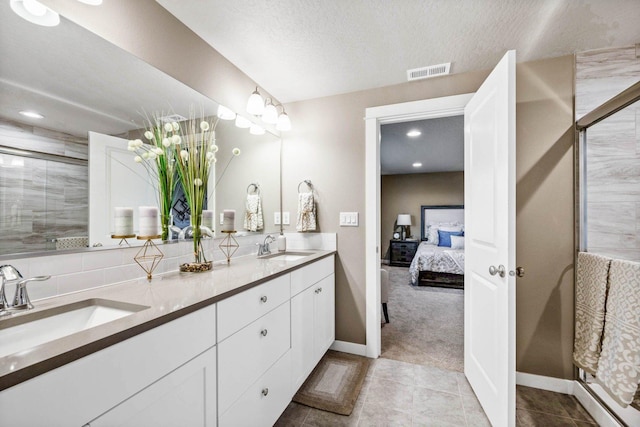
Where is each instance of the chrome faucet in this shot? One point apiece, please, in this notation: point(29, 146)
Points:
point(263, 249)
point(21, 300)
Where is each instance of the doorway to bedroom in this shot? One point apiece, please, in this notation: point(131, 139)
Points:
point(422, 185)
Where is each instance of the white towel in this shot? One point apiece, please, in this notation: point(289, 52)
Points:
point(619, 365)
point(306, 212)
point(253, 220)
point(591, 294)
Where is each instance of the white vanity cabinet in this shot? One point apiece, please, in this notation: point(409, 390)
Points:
point(177, 399)
point(255, 338)
point(312, 317)
point(126, 378)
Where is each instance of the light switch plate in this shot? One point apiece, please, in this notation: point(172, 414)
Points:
point(276, 218)
point(221, 218)
point(285, 218)
point(348, 219)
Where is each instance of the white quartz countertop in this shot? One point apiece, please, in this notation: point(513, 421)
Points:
point(168, 297)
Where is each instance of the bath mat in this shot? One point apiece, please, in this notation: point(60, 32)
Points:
point(334, 385)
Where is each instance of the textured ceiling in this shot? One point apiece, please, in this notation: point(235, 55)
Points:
point(303, 49)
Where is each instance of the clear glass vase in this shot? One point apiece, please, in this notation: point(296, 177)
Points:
point(195, 231)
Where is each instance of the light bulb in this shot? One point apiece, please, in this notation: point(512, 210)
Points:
point(255, 104)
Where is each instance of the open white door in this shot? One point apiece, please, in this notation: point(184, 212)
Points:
point(489, 294)
point(114, 180)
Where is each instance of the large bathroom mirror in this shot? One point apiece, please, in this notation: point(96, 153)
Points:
point(81, 83)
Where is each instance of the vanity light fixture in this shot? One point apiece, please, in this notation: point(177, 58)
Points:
point(284, 123)
point(256, 130)
point(413, 133)
point(255, 104)
point(417, 165)
point(32, 114)
point(242, 122)
point(35, 12)
point(225, 113)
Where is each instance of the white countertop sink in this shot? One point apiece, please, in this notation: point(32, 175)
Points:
point(287, 256)
point(24, 331)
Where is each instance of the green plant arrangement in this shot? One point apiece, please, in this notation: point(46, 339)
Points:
point(158, 156)
point(194, 163)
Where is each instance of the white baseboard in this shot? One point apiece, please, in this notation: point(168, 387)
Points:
point(575, 388)
point(593, 407)
point(545, 383)
point(349, 347)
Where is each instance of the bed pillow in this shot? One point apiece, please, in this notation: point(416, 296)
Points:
point(457, 242)
point(432, 235)
point(444, 237)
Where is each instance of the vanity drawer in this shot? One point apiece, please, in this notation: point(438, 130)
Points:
point(267, 398)
point(247, 354)
point(237, 311)
point(306, 276)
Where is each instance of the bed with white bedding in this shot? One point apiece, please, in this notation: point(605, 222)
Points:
point(436, 259)
point(439, 259)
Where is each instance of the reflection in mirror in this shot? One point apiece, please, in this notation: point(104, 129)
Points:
point(80, 83)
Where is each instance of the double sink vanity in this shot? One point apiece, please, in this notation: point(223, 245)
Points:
point(229, 347)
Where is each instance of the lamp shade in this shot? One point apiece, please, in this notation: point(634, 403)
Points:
point(224, 113)
point(404, 219)
point(255, 104)
point(270, 114)
point(284, 123)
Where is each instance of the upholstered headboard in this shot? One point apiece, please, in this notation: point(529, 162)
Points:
point(438, 214)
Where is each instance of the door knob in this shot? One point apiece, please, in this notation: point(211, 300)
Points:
point(519, 272)
point(500, 270)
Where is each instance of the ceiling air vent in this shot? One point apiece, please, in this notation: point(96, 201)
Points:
point(428, 72)
point(172, 118)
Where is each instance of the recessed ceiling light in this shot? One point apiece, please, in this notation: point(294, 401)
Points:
point(32, 114)
point(35, 12)
point(91, 2)
point(417, 165)
point(414, 133)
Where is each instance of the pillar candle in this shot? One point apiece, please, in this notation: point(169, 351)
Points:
point(228, 220)
point(148, 222)
point(123, 221)
point(207, 219)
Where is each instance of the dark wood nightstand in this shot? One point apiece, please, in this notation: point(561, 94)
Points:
point(402, 252)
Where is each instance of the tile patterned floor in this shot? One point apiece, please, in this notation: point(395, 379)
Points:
point(398, 393)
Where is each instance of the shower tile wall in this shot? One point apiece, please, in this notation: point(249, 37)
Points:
point(40, 199)
point(613, 152)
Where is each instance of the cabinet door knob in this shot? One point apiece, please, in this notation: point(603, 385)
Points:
point(263, 332)
point(265, 391)
point(263, 298)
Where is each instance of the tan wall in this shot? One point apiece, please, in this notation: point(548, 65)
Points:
point(545, 217)
point(406, 193)
point(327, 146)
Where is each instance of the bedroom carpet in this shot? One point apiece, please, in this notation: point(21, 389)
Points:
point(426, 323)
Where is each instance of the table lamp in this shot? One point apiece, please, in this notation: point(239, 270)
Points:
point(405, 221)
